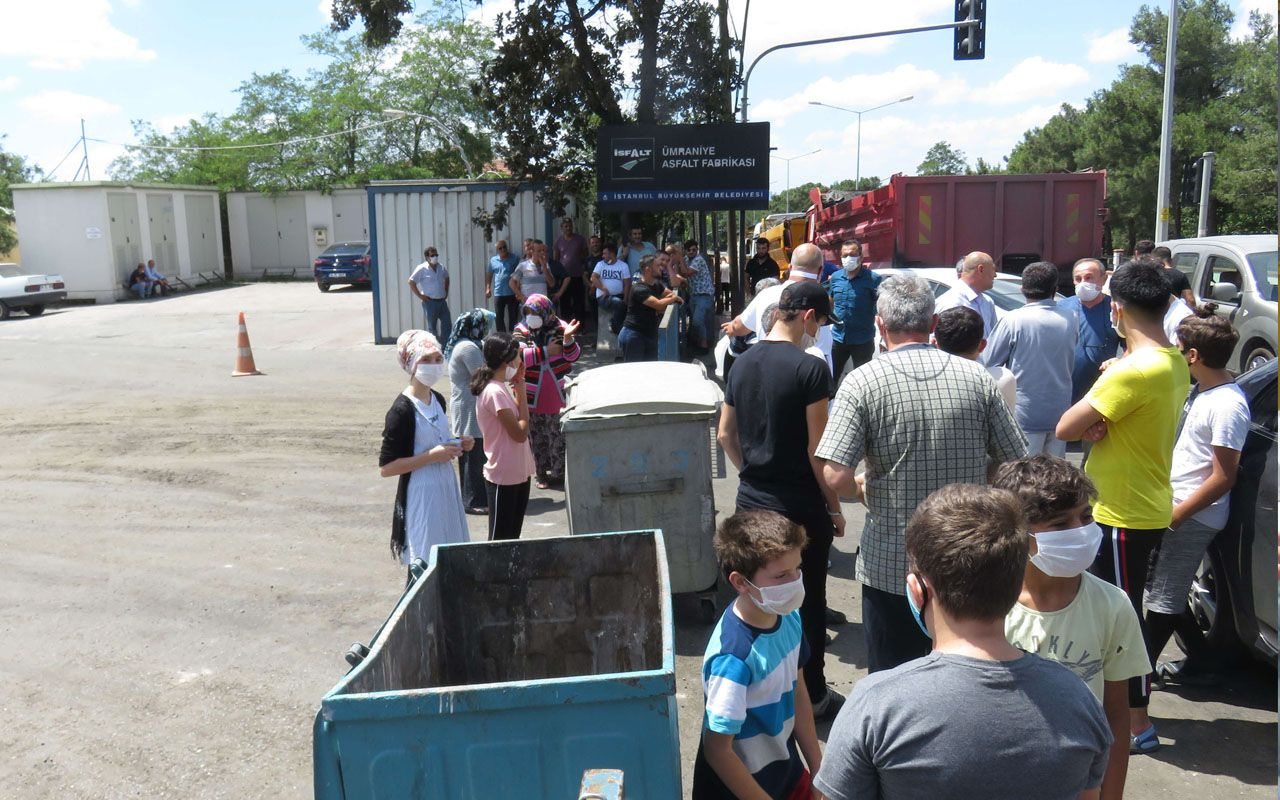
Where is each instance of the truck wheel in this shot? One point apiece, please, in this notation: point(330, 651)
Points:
point(34, 311)
point(324, 287)
point(1255, 356)
point(4, 311)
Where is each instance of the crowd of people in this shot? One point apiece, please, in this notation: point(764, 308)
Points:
point(1013, 605)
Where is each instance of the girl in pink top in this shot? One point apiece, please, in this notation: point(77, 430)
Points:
point(502, 409)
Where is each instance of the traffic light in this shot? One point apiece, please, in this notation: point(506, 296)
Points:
point(1192, 174)
point(971, 41)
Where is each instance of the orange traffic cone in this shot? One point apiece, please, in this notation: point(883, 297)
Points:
point(244, 354)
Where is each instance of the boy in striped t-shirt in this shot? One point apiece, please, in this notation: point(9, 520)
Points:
point(758, 718)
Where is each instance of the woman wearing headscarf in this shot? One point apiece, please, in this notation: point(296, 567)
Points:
point(464, 356)
point(418, 447)
point(549, 352)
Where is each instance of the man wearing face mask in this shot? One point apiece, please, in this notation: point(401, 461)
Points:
point(806, 263)
point(1065, 614)
point(853, 303)
point(430, 282)
point(1096, 340)
point(775, 409)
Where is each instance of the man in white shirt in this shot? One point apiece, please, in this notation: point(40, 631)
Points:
point(977, 274)
point(430, 282)
point(806, 264)
point(611, 279)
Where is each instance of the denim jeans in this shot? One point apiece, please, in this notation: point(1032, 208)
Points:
point(143, 289)
point(701, 307)
point(438, 322)
point(617, 311)
point(636, 346)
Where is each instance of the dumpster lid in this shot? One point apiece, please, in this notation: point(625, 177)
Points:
point(648, 387)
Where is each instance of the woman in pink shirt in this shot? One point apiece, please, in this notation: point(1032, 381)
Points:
point(502, 409)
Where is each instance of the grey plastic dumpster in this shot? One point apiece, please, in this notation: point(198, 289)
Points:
point(638, 455)
point(507, 670)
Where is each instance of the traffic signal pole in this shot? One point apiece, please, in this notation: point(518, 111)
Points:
point(1163, 211)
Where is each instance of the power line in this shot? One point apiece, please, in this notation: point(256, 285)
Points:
point(381, 124)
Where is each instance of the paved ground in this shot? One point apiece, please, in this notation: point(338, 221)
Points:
point(187, 557)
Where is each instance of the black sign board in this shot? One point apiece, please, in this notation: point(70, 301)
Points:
point(673, 167)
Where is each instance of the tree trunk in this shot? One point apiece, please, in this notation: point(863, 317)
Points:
point(726, 63)
point(649, 16)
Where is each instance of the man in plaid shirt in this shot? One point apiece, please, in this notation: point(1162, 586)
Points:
point(922, 419)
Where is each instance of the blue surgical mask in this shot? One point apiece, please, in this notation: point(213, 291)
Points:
point(915, 610)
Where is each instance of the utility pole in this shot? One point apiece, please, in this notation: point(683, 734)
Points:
point(1166, 128)
point(1206, 178)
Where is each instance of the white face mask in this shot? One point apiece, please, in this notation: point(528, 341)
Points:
point(533, 322)
point(1115, 323)
point(1088, 292)
point(506, 373)
point(850, 263)
point(781, 599)
point(1065, 554)
point(432, 261)
point(428, 374)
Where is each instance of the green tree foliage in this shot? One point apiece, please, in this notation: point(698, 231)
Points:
point(799, 195)
point(943, 159)
point(13, 169)
point(333, 117)
point(1224, 101)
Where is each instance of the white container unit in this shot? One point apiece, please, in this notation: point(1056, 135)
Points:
point(408, 216)
point(93, 234)
point(285, 232)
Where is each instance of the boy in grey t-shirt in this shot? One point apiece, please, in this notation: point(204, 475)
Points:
point(976, 717)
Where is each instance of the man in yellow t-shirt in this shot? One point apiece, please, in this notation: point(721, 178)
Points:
point(1131, 414)
point(1065, 614)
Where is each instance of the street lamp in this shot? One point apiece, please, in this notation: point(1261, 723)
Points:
point(396, 113)
point(789, 160)
point(858, 158)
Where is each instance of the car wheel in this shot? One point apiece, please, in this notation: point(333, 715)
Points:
point(34, 311)
point(1255, 357)
point(324, 287)
point(4, 311)
point(1209, 604)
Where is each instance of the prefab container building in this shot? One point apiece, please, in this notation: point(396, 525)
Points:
point(93, 234)
point(408, 216)
point(285, 232)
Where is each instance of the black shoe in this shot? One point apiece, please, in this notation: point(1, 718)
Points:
point(828, 706)
point(1178, 672)
point(834, 617)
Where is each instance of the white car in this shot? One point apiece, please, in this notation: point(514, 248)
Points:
point(30, 293)
point(1006, 294)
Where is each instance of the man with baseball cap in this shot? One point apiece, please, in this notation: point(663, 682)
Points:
point(775, 409)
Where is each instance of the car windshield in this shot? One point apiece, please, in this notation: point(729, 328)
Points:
point(10, 271)
point(356, 249)
point(1264, 273)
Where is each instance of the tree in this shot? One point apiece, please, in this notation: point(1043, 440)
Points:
point(13, 169)
point(943, 159)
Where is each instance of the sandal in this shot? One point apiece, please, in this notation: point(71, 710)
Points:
point(1145, 742)
point(541, 483)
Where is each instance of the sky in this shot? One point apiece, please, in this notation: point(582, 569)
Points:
point(165, 61)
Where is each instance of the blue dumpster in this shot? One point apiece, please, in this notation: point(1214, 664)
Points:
point(507, 670)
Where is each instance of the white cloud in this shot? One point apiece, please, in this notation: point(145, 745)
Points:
point(863, 91)
point(1032, 78)
point(65, 35)
point(1240, 28)
point(1111, 48)
point(774, 22)
point(8, 83)
point(59, 106)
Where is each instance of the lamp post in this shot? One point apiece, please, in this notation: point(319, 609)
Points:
point(789, 160)
point(396, 113)
point(858, 157)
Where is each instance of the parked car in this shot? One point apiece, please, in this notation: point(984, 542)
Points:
point(1239, 274)
point(1233, 597)
point(20, 291)
point(343, 263)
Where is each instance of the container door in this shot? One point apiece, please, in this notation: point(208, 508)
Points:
point(974, 221)
point(925, 219)
point(294, 238)
point(126, 235)
point(202, 232)
point(264, 241)
point(350, 217)
point(1023, 222)
point(1075, 228)
point(164, 232)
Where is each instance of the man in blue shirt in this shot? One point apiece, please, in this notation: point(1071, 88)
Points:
point(636, 248)
point(497, 278)
point(1097, 341)
point(853, 303)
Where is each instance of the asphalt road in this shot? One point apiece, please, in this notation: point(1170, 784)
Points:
point(187, 556)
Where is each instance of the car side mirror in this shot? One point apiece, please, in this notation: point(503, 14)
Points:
point(1225, 292)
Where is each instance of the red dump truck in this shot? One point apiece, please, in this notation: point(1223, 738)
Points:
point(935, 221)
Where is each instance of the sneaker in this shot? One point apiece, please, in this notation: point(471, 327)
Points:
point(1184, 674)
point(829, 705)
point(834, 617)
point(1145, 742)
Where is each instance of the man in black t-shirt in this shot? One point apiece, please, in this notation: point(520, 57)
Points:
point(775, 409)
point(1179, 286)
point(761, 266)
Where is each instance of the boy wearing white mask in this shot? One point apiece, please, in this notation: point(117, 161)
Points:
point(758, 720)
point(1065, 614)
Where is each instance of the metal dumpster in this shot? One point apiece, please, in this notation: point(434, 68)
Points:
point(508, 669)
point(639, 440)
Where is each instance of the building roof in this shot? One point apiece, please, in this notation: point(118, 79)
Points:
point(111, 185)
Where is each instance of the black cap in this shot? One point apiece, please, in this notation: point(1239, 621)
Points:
point(804, 295)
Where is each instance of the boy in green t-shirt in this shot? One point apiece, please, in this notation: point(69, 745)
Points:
point(1131, 414)
point(1065, 614)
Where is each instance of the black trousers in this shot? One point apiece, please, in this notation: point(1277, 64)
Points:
point(507, 310)
point(813, 611)
point(573, 302)
point(507, 505)
point(841, 352)
point(1125, 559)
point(471, 476)
point(891, 632)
